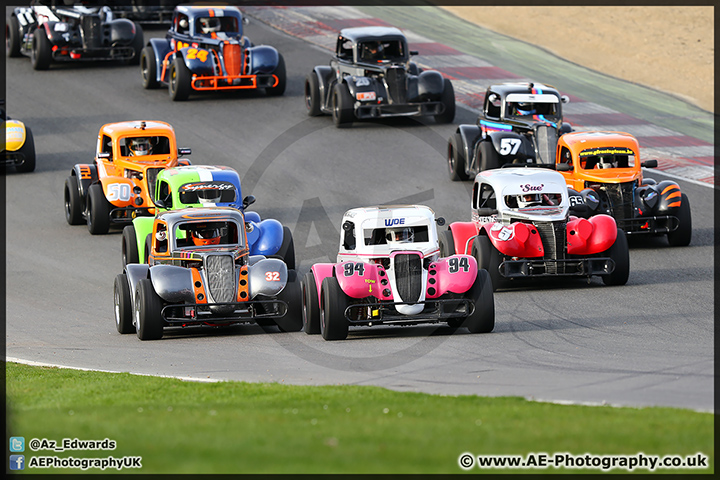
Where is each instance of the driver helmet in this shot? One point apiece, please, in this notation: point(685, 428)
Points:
point(605, 162)
point(210, 24)
point(525, 108)
point(529, 200)
point(139, 146)
point(399, 235)
point(373, 49)
point(209, 195)
point(204, 237)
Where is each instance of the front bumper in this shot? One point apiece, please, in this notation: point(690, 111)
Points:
point(364, 111)
point(649, 225)
point(571, 267)
point(12, 159)
point(223, 313)
point(236, 82)
point(125, 215)
point(79, 54)
point(435, 311)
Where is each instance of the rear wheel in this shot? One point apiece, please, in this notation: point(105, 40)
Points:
point(287, 249)
point(488, 258)
point(98, 210)
point(312, 94)
point(456, 158)
point(311, 305)
point(448, 101)
point(148, 306)
point(681, 236)
point(342, 110)
point(123, 306)
point(148, 68)
point(129, 246)
point(482, 319)
point(180, 77)
point(12, 37)
point(620, 254)
point(28, 152)
point(333, 324)
point(73, 203)
point(41, 55)
point(489, 158)
point(292, 295)
point(447, 243)
point(280, 73)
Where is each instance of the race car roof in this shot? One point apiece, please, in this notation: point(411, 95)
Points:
point(514, 181)
point(364, 34)
point(578, 141)
point(504, 89)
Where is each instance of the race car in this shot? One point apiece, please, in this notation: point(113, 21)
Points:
point(200, 272)
point(371, 76)
point(519, 123)
point(603, 171)
point(388, 273)
point(205, 50)
point(19, 148)
point(118, 185)
point(523, 227)
point(48, 33)
point(153, 12)
point(207, 186)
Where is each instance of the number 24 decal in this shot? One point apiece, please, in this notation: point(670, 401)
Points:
point(272, 276)
point(456, 264)
point(193, 53)
point(350, 268)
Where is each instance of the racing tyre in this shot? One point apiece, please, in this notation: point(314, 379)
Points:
point(179, 86)
point(28, 152)
point(448, 100)
point(311, 305)
point(292, 295)
point(681, 236)
point(620, 254)
point(488, 258)
point(482, 319)
point(73, 203)
point(129, 246)
point(312, 94)
point(148, 68)
point(287, 249)
point(333, 324)
point(280, 73)
point(41, 54)
point(148, 305)
point(447, 243)
point(456, 158)
point(123, 306)
point(342, 109)
point(12, 37)
point(148, 247)
point(137, 45)
point(489, 158)
point(98, 210)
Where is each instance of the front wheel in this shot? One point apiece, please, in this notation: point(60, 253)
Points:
point(620, 254)
point(447, 243)
point(129, 246)
point(681, 236)
point(148, 68)
point(456, 158)
point(148, 308)
point(292, 295)
point(28, 153)
point(488, 258)
point(73, 203)
point(12, 37)
point(482, 319)
point(333, 324)
point(98, 210)
point(41, 55)
point(281, 75)
point(180, 78)
point(311, 305)
point(489, 159)
point(342, 109)
point(123, 306)
point(448, 101)
point(312, 95)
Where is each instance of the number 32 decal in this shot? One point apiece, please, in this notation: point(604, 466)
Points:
point(272, 276)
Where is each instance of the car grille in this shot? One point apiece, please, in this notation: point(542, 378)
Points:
point(545, 143)
point(553, 238)
point(408, 276)
point(395, 84)
point(91, 31)
point(220, 273)
point(620, 200)
point(150, 176)
point(232, 55)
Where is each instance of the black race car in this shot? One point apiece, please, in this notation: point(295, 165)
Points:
point(46, 32)
point(519, 123)
point(371, 76)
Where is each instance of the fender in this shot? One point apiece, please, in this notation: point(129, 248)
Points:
point(462, 232)
point(143, 227)
point(172, 283)
point(360, 280)
point(122, 31)
point(135, 272)
point(565, 128)
point(55, 30)
point(430, 85)
point(267, 277)
point(470, 135)
point(269, 237)
point(325, 78)
point(455, 274)
point(14, 135)
point(670, 196)
point(87, 175)
point(369, 88)
point(118, 190)
point(512, 145)
point(262, 59)
point(198, 60)
point(320, 272)
point(594, 235)
point(160, 48)
point(252, 217)
point(516, 240)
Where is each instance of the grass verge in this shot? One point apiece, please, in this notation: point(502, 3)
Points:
point(235, 427)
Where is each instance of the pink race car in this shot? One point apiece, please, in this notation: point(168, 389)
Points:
point(388, 271)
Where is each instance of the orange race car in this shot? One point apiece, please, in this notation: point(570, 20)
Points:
point(119, 184)
point(603, 171)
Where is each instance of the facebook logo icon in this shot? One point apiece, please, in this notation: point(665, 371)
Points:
point(17, 462)
point(17, 444)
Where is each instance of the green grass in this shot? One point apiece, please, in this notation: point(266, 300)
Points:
point(236, 427)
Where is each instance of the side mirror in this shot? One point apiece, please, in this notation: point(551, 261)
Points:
point(414, 52)
point(564, 99)
point(563, 167)
point(159, 203)
point(649, 164)
point(486, 212)
point(440, 221)
point(104, 155)
point(184, 151)
point(249, 200)
point(245, 20)
point(347, 226)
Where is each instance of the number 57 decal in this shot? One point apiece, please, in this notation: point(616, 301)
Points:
point(509, 146)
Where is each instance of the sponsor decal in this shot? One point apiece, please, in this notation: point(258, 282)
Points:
point(532, 188)
point(193, 187)
point(363, 82)
point(389, 222)
point(606, 151)
point(365, 96)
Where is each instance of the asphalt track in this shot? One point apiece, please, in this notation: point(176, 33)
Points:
point(647, 343)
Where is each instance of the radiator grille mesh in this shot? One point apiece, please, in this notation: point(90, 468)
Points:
point(408, 276)
point(221, 277)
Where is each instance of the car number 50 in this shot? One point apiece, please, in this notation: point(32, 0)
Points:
point(118, 191)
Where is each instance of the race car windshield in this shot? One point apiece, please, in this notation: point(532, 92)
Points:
point(608, 157)
point(543, 201)
point(210, 25)
point(395, 235)
point(385, 51)
point(530, 109)
point(215, 234)
point(157, 145)
point(207, 193)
